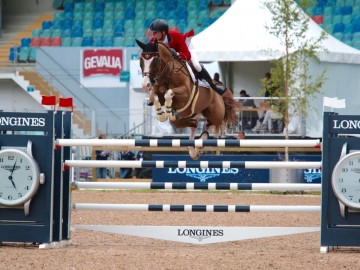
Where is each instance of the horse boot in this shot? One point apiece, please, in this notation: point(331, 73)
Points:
point(203, 74)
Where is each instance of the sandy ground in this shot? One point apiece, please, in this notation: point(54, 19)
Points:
point(98, 250)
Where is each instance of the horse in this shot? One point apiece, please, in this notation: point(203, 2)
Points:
point(171, 85)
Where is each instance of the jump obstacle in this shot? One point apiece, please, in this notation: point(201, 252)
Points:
point(193, 186)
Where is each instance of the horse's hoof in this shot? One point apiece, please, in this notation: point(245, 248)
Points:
point(162, 118)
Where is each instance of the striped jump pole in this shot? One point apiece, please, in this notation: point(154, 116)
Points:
point(193, 164)
point(182, 142)
point(197, 186)
point(196, 208)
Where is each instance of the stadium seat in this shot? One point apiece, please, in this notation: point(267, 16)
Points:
point(35, 33)
point(118, 42)
point(108, 42)
point(88, 24)
point(32, 55)
point(347, 19)
point(318, 19)
point(98, 23)
point(337, 10)
point(25, 42)
point(46, 25)
point(97, 42)
point(349, 3)
point(45, 42)
point(55, 42)
point(58, 16)
point(35, 42)
point(347, 10)
point(56, 33)
point(76, 42)
point(79, 15)
point(337, 19)
point(338, 28)
point(340, 3)
point(57, 4)
point(338, 35)
point(356, 27)
point(318, 11)
point(57, 24)
point(68, 7)
point(89, 7)
point(87, 42)
point(66, 33)
point(348, 28)
point(66, 42)
point(79, 7)
point(98, 33)
point(88, 33)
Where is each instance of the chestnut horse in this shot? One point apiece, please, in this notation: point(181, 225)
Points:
point(170, 84)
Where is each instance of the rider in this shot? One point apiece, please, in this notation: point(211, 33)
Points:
point(177, 41)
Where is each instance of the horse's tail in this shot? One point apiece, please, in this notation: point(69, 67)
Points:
point(231, 106)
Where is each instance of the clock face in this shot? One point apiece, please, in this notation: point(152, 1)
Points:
point(19, 177)
point(346, 180)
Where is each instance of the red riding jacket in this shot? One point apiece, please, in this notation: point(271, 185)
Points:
point(177, 41)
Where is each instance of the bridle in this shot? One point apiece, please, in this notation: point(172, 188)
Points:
point(155, 78)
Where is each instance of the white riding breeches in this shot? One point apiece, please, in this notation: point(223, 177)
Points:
point(195, 61)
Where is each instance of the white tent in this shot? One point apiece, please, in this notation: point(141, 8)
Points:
point(240, 35)
point(240, 41)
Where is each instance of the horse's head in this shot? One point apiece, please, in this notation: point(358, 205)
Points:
point(150, 64)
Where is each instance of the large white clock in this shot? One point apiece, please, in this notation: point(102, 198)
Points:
point(345, 181)
point(19, 178)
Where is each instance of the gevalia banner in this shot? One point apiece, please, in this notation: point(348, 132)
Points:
point(101, 68)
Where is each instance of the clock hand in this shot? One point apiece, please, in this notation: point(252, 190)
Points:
point(12, 171)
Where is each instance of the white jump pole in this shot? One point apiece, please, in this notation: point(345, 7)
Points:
point(181, 142)
point(198, 186)
point(196, 208)
point(194, 164)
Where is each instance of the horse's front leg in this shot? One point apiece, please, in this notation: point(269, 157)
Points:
point(168, 104)
point(193, 151)
point(161, 116)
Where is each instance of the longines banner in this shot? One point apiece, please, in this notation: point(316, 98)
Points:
point(232, 175)
point(101, 68)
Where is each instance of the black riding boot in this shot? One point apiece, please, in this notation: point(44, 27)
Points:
point(203, 74)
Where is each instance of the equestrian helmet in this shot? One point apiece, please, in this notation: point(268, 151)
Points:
point(159, 26)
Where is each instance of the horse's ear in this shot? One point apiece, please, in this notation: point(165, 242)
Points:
point(140, 44)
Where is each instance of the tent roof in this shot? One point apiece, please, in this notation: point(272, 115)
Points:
point(240, 35)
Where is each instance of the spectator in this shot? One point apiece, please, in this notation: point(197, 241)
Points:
point(248, 117)
point(102, 155)
point(139, 157)
point(126, 154)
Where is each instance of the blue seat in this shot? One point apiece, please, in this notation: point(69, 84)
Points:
point(24, 54)
point(338, 10)
point(99, 15)
point(57, 24)
point(87, 42)
point(98, 23)
point(25, 42)
point(77, 32)
point(108, 42)
point(46, 25)
point(68, 7)
point(318, 10)
point(347, 10)
point(66, 33)
point(356, 27)
point(129, 14)
point(67, 24)
point(99, 6)
point(68, 15)
point(97, 42)
point(339, 28)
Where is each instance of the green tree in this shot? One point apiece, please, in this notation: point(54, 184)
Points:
point(291, 75)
